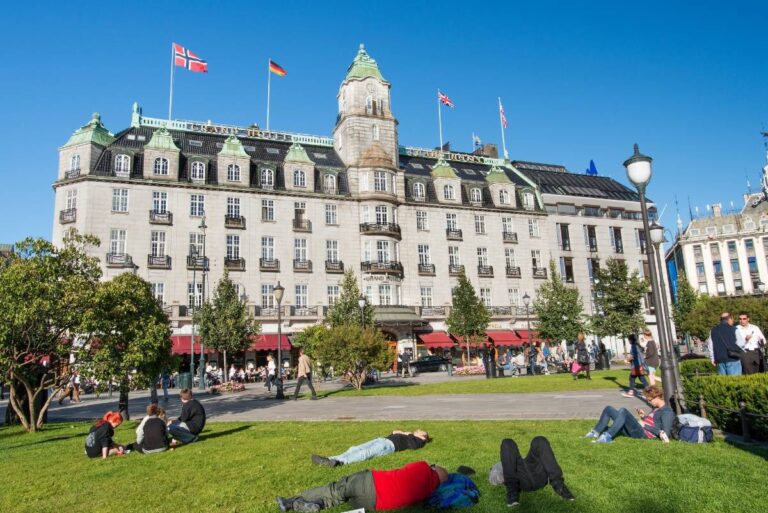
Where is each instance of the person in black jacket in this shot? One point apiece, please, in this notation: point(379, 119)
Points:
point(657, 424)
point(99, 441)
point(152, 433)
point(394, 442)
point(192, 420)
point(724, 352)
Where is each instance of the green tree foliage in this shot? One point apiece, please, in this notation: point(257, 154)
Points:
point(310, 338)
point(224, 322)
point(44, 293)
point(469, 317)
point(351, 350)
point(685, 302)
point(706, 312)
point(618, 296)
point(346, 309)
point(559, 309)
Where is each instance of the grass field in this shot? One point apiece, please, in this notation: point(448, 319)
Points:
point(611, 379)
point(241, 467)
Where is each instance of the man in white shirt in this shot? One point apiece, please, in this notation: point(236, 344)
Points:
point(751, 340)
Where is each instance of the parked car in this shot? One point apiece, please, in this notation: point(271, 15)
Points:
point(430, 363)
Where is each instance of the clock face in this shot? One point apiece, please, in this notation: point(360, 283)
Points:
point(370, 88)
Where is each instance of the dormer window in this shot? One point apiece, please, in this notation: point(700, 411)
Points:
point(122, 165)
point(299, 178)
point(448, 192)
point(267, 179)
point(369, 105)
point(418, 191)
point(504, 197)
point(329, 184)
point(375, 134)
point(197, 171)
point(74, 162)
point(475, 196)
point(528, 200)
point(233, 173)
point(161, 166)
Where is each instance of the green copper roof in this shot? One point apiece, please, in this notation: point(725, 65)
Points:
point(161, 140)
point(497, 175)
point(364, 66)
point(233, 148)
point(297, 153)
point(92, 132)
point(443, 170)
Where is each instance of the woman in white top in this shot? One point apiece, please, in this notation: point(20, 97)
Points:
point(271, 368)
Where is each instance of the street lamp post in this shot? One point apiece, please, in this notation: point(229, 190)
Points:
point(639, 172)
point(278, 293)
point(194, 311)
point(201, 366)
point(361, 303)
point(526, 302)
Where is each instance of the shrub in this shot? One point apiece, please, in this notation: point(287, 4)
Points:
point(689, 368)
point(473, 370)
point(722, 395)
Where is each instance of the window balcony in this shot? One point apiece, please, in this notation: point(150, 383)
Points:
point(500, 311)
point(510, 237)
point(236, 222)
point(334, 266)
point(485, 271)
point(160, 217)
point(304, 311)
point(395, 268)
point(453, 234)
point(426, 269)
point(72, 173)
point(540, 273)
point(420, 199)
point(197, 263)
point(455, 270)
point(158, 262)
point(68, 216)
point(513, 272)
point(119, 260)
point(302, 225)
point(234, 264)
point(433, 311)
point(265, 311)
point(269, 265)
point(391, 229)
point(122, 173)
point(302, 266)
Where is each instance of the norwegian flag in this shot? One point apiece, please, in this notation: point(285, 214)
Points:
point(187, 59)
point(444, 99)
point(501, 114)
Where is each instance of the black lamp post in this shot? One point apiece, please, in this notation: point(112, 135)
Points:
point(526, 302)
point(361, 303)
point(278, 293)
point(201, 370)
point(194, 311)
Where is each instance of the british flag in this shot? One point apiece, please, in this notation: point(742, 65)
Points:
point(444, 99)
point(187, 59)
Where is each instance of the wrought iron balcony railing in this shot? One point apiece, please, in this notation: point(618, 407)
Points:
point(160, 217)
point(234, 264)
point(269, 264)
point(302, 266)
point(485, 271)
point(119, 260)
point(237, 222)
point(427, 269)
point(334, 266)
point(68, 216)
point(453, 234)
point(158, 262)
point(510, 237)
point(513, 271)
point(390, 229)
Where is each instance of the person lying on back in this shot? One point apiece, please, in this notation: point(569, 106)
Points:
point(394, 442)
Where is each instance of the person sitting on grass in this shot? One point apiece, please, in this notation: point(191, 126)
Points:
point(99, 441)
point(152, 433)
point(657, 424)
point(191, 422)
point(538, 469)
point(394, 442)
point(373, 490)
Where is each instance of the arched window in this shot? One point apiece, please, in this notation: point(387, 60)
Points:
point(74, 162)
point(233, 173)
point(122, 164)
point(418, 190)
point(448, 192)
point(375, 129)
point(369, 105)
point(161, 166)
point(504, 197)
point(299, 178)
point(197, 171)
point(329, 184)
point(379, 106)
point(267, 179)
point(475, 196)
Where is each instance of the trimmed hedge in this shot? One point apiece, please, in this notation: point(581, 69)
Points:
point(702, 365)
point(723, 393)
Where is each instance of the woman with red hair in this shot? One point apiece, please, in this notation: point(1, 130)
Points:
point(99, 441)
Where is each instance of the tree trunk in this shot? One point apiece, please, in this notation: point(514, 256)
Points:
point(225, 367)
point(26, 406)
point(122, 404)
point(153, 393)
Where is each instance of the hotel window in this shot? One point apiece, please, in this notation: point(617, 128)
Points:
point(382, 251)
point(382, 214)
point(735, 265)
point(566, 269)
point(233, 247)
point(233, 173)
point(268, 248)
point(158, 292)
point(453, 256)
point(616, 239)
point(157, 244)
point(300, 249)
point(332, 251)
point(506, 225)
point(302, 297)
point(700, 271)
point(482, 257)
point(233, 207)
point(194, 294)
point(424, 257)
point(510, 258)
point(267, 210)
point(732, 248)
point(593, 265)
point(74, 162)
point(533, 228)
point(418, 190)
point(161, 166)
point(299, 178)
point(71, 199)
point(536, 259)
point(119, 200)
point(122, 164)
point(117, 241)
point(197, 172)
point(196, 242)
point(480, 224)
point(379, 181)
point(426, 297)
point(267, 179)
point(590, 237)
point(698, 254)
point(514, 297)
point(450, 221)
point(385, 295)
point(448, 192)
point(330, 215)
point(421, 220)
point(333, 294)
point(504, 197)
point(329, 184)
point(528, 201)
point(475, 196)
point(267, 296)
point(197, 205)
point(375, 132)
point(369, 105)
point(485, 296)
point(159, 202)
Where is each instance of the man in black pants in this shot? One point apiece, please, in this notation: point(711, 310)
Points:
point(527, 474)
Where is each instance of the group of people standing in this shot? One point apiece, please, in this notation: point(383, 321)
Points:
point(739, 349)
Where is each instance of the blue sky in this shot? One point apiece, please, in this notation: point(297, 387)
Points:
point(688, 81)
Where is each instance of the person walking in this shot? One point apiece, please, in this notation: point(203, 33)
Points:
point(271, 367)
point(724, 351)
point(750, 339)
point(165, 380)
point(582, 357)
point(394, 442)
point(304, 373)
point(651, 355)
point(637, 366)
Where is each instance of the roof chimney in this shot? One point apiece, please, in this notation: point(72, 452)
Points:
point(717, 209)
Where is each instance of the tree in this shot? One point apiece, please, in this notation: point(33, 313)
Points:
point(469, 317)
point(685, 301)
point(131, 336)
point(559, 309)
point(225, 324)
point(346, 309)
point(618, 296)
point(44, 293)
point(352, 351)
point(706, 312)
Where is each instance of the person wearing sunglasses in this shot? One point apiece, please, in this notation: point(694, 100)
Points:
point(751, 340)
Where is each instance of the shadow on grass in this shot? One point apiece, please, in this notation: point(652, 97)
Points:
point(388, 384)
point(227, 432)
point(759, 449)
point(47, 440)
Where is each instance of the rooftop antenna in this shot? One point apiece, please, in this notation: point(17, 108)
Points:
point(690, 211)
point(679, 221)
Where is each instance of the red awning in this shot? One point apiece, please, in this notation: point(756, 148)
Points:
point(180, 344)
point(504, 338)
point(523, 334)
point(268, 342)
point(481, 341)
point(436, 339)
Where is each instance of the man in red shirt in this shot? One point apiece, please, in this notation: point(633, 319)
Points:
point(371, 489)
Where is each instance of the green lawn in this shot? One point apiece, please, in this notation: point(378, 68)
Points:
point(240, 467)
point(612, 379)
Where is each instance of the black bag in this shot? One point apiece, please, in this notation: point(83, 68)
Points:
point(735, 355)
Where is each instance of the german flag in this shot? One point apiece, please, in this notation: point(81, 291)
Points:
point(276, 68)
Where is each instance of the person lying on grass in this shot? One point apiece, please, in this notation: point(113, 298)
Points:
point(373, 490)
point(99, 441)
point(394, 442)
point(657, 424)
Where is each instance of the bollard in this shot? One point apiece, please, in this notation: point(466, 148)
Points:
point(702, 406)
point(745, 434)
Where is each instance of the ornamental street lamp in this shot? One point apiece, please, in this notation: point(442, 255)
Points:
point(194, 310)
point(201, 383)
point(361, 303)
point(526, 302)
point(639, 172)
point(278, 293)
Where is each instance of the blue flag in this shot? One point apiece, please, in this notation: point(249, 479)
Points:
point(592, 171)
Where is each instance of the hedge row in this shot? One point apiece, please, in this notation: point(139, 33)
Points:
point(723, 393)
point(702, 365)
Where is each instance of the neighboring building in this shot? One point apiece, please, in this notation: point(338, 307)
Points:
point(302, 209)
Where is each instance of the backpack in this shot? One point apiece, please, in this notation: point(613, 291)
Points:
point(458, 491)
point(692, 428)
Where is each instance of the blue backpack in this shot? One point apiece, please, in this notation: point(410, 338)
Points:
point(692, 428)
point(458, 491)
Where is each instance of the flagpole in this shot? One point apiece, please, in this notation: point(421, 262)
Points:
point(269, 83)
point(170, 96)
point(440, 120)
point(501, 124)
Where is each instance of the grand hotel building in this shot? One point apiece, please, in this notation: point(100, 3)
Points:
point(303, 209)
